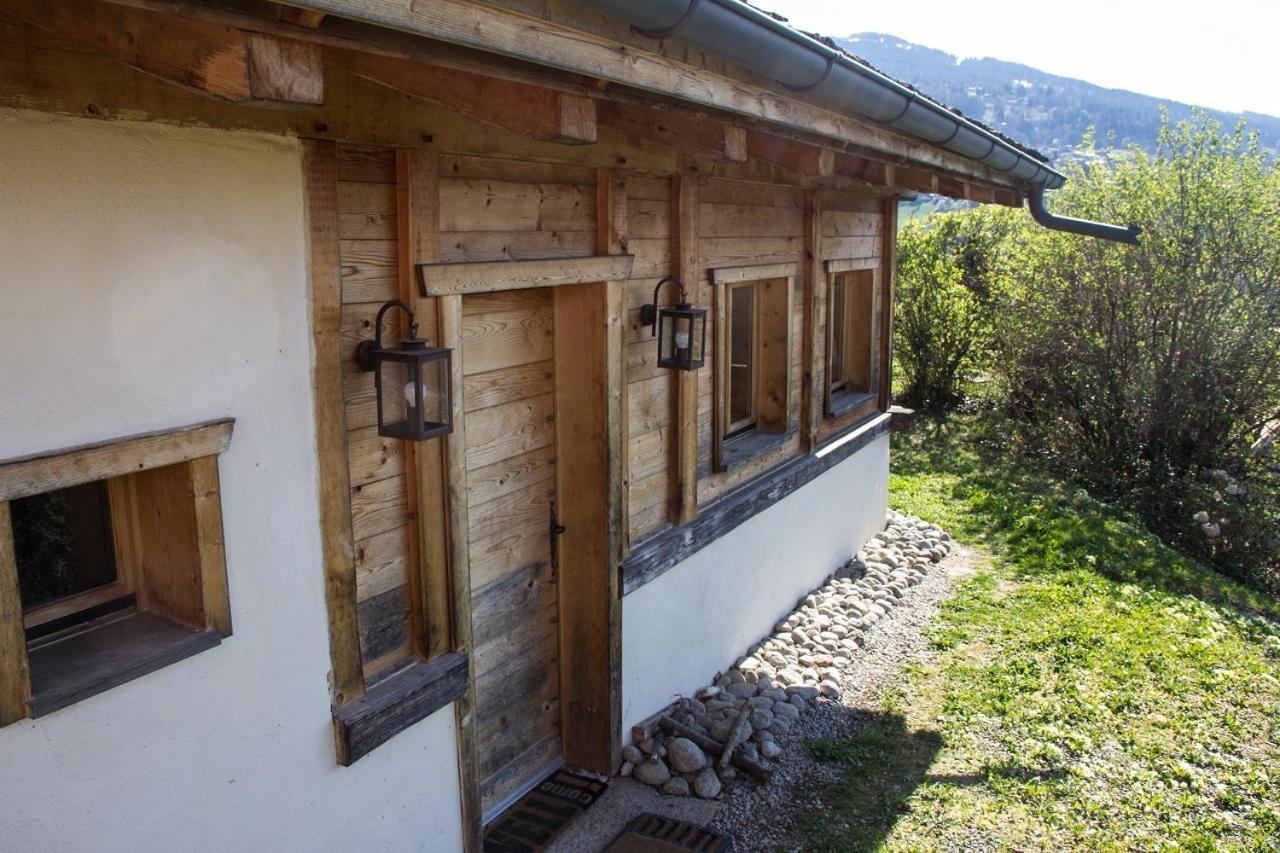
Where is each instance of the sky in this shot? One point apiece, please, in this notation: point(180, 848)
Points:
point(1213, 53)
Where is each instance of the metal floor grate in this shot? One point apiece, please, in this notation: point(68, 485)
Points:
point(651, 833)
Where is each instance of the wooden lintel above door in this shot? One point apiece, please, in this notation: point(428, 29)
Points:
point(491, 276)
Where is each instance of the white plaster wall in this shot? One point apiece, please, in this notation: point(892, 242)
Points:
point(153, 277)
point(696, 619)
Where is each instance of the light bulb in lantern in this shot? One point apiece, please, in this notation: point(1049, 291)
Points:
point(682, 339)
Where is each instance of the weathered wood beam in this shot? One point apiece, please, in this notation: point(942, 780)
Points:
point(320, 172)
point(213, 59)
point(490, 276)
point(920, 180)
point(543, 42)
point(812, 160)
point(687, 132)
point(685, 191)
point(536, 112)
point(308, 18)
point(46, 472)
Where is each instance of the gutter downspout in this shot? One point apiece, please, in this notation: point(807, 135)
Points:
point(1102, 231)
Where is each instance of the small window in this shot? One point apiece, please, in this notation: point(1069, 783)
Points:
point(753, 378)
point(116, 576)
point(853, 369)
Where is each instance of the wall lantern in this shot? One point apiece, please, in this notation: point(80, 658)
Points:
point(413, 382)
point(681, 330)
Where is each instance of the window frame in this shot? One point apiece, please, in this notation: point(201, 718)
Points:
point(187, 608)
point(841, 403)
point(773, 289)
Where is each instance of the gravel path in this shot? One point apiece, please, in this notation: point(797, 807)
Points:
point(760, 818)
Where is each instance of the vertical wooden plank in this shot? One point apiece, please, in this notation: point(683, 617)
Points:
point(209, 541)
point(417, 221)
point(684, 199)
point(586, 563)
point(450, 322)
point(811, 397)
point(429, 461)
point(167, 575)
point(888, 282)
point(320, 169)
point(775, 301)
point(611, 239)
point(15, 678)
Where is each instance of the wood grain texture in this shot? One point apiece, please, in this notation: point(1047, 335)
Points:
point(398, 702)
point(586, 454)
point(284, 70)
point(753, 272)
point(45, 472)
point(533, 111)
point(812, 358)
point(450, 323)
point(852, 265)
point(486, 277)
point(15, 680)
point(686, 193)
point(337, 543)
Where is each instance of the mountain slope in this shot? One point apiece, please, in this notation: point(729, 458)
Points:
point(1047, 112)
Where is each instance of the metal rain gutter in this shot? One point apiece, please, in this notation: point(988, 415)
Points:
point(746, 36)
point(1087, 227)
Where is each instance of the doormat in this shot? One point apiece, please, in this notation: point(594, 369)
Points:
point(535, 819)
point(650, 833)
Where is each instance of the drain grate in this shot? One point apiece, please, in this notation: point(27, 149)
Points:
point(652, 833)
point(539, 816)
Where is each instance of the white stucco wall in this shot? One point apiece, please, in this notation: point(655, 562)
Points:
point(153, 277)
point(697, 618)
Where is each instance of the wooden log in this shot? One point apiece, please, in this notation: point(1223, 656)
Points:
point(735, 736)
point(714, 748)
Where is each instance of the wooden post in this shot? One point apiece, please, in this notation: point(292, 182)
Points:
point(888, 276)
point(338, 549)
point(450, 321)
point(417, 221)
point(15, 680)
point(811, 396)
point(684, 197)
point(611, 239)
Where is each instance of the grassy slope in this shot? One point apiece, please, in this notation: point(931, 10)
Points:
point(1090, 688)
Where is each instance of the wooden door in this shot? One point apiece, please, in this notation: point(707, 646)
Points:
point(508, 369)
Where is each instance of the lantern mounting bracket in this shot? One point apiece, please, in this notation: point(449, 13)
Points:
point(649, 313)
point(365, 350)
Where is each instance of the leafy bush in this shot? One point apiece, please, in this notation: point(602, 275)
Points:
point(1149, 373)
point(947, 264)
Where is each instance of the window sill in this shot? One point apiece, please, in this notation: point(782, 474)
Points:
point(843, 402)
point(107, 653)
point(747, 446)
point(397, 701)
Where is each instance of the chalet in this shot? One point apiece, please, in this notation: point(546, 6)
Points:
point(405, 398)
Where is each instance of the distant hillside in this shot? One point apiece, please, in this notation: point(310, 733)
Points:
point(1048, 112)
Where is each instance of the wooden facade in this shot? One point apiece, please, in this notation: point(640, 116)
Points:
point(527, 216)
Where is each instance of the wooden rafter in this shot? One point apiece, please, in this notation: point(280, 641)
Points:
point(687, 132)
point(537, 112)
point(809, 160)
point(214, 59)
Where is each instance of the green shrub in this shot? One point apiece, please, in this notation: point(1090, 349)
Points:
point(1148, 373)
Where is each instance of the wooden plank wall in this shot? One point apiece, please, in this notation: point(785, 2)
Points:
point(850, 229)
point(380, 520)
point(739, 224)
point(649, 390)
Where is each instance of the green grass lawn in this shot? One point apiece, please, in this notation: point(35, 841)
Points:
point(1089, 688)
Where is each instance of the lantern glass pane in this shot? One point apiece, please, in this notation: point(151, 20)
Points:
point(395, 394)
point(435, 392)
